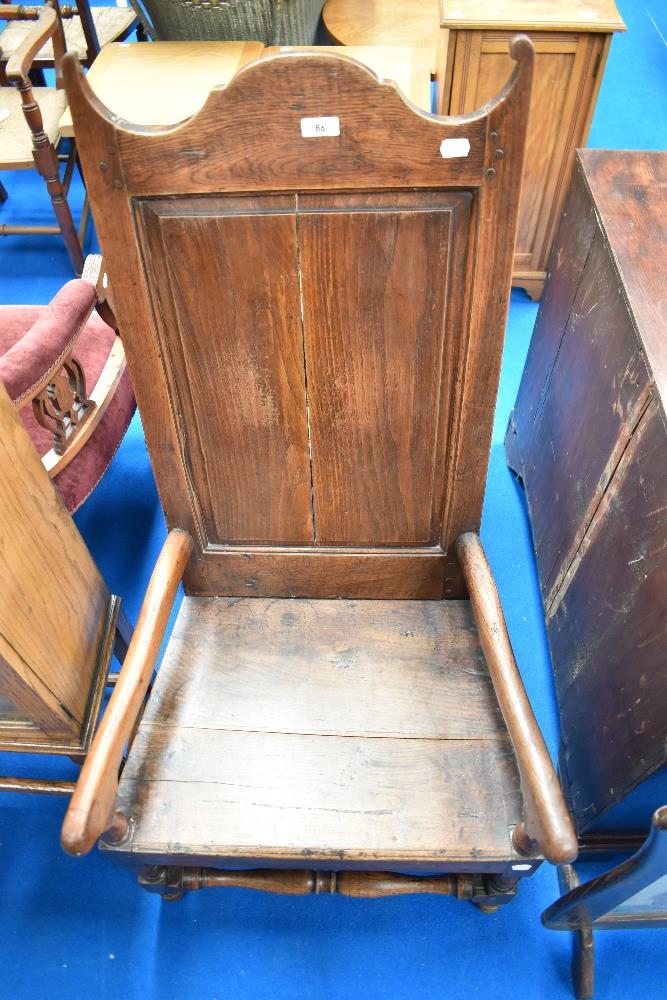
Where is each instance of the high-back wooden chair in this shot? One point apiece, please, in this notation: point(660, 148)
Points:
point(312, 280)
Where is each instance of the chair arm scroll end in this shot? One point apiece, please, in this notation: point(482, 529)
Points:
point(547, 827)
point(92, 809)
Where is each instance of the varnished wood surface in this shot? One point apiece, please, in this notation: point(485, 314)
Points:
point(53, 602)
point(568, 68)
point(532, 15)
point(164, 82)
point(350, 729)
point(208, 440)
point(546, 825)
point(91, 810)
point(385, 22)
point(589, 437)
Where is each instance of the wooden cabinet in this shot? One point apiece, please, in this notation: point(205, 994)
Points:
point(588, 436)
point(469, 62)
point(571, 43)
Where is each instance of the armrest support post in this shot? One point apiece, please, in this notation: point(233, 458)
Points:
point(547, 825)
point(91, 810)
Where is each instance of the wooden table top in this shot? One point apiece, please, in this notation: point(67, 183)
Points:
point(415, 23)
point(532, 15)
point(161, 83)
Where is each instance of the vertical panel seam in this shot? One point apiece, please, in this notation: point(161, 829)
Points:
point(299, 274)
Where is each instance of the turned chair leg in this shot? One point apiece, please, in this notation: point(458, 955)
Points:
point(46, 162)
point(583, 963)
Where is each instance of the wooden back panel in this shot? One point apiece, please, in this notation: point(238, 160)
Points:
point(53, 601)
point(314, 325)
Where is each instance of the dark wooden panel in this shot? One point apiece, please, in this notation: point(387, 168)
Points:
point(224, 147)
point(595, 394)
point(324, 572)
point(566, 265)
point(231, 335)
point(608, 632)
point(384, 145)
point(225, 794)
point(349, 668)
point(377, 272)
point(629, 192)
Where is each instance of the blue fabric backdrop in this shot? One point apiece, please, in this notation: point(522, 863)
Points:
point(83, 929)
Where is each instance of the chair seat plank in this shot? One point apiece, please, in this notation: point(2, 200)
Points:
point(360, 729)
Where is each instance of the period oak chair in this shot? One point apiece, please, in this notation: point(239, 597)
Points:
point(64, 368)
point(312, 279)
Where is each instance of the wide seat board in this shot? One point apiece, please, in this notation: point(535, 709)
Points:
point(347, 730)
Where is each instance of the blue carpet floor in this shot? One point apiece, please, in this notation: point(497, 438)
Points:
point(72, 929)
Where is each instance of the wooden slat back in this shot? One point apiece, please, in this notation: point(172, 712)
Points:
point(314, 325)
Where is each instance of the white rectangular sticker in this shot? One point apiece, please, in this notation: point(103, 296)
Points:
point(450, 148)
point(311, 128)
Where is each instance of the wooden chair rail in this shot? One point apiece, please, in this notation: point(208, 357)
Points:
point(547, 825)
point(47, 25)
point(172, 882)
point(91, 811)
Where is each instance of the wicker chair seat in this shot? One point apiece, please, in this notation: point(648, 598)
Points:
point(111, 23)
point(15, 137)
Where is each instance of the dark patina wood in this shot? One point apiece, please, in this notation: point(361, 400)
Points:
point(588, 437)
point(300, 465)
point(314, 327)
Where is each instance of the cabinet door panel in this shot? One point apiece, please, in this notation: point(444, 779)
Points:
point(562, 93)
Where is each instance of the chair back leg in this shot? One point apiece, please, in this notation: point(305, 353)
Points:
point(46, 161)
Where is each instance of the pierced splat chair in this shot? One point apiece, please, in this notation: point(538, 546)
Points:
point(313, 294)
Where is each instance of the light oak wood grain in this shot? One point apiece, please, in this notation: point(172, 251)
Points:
point(164, 82)
point(414, 23)
point(53, 601)
point(532, 15)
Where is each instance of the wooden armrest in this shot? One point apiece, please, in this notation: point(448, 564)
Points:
point(91, 810)
point(20, 62)
point(547, 825)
